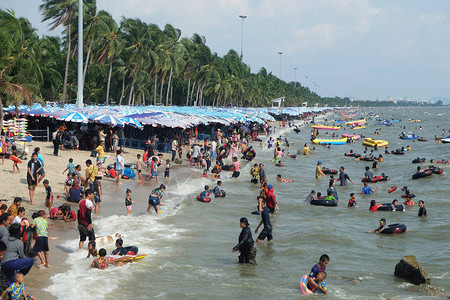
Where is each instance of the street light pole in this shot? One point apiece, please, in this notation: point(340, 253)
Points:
point(242, 33)
point(80, 82)
point(295, 77)
point(280, 63)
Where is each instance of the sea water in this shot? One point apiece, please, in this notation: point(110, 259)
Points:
point(189, 244)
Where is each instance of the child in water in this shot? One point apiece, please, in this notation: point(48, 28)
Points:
point(204, 174)
point(167, 169)
point(49, 196)
point(128, 201)
point(283, 180)
point(321, 286)
point(352, 201)
point(91, 249)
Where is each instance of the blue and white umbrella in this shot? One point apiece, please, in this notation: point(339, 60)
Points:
point(74, 117)
point(108, 119)
point(132, 122)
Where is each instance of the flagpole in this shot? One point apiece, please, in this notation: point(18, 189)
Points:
point(80, 82)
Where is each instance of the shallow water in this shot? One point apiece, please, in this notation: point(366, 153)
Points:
point(189, 245)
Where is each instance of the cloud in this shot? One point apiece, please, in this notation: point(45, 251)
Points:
point(322, 36)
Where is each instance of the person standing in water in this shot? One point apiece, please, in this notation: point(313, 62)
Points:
point(246, 245)
point(265, 219)
point(320, 267)
point(319, 172)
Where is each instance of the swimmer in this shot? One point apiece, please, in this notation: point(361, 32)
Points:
point(367, 190)
point(279, 164)
point(316, 269)
point(422, 209)
point(409, 201)
point(352, 201)
point(283, 180)
point(102, 262)
point(379, 229)
point(321, 286)
point(91, 249)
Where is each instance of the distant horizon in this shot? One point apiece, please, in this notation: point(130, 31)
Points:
point(358, 48)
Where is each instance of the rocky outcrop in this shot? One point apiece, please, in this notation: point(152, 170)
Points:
point(409, 269)
point(429, 291)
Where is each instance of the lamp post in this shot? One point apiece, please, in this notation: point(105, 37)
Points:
point(280, 63)
point(242, 33)
point(80, 82)
point(295, 77)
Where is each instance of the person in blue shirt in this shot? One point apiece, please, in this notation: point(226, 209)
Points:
point(217, 191)
point(367, 190)
point(265, 219)
point(320, 267)
point(40, 159)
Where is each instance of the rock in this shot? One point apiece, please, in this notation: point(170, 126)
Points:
point(352, 280)
point(429, 291)
point(408, 268)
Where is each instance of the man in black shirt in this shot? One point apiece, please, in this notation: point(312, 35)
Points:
point(422, 209)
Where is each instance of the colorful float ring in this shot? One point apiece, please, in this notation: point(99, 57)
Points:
point(418, 160)
point(328, 171)
point(394, 228)
point(373, 179)
point(15, 159)
point(408, 195)
point(423, 174)
point(206, 199)
point(392, 189)
point(145, 158)
point(304, 285)
point(249, 154)
point(436, 170)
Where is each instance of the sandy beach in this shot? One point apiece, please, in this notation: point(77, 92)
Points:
point(15, 185)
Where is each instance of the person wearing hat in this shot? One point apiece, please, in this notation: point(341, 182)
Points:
point(271, 200)
point(246, 245)
point(319, 172)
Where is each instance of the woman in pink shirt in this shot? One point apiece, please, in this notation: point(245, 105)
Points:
point(237, 166)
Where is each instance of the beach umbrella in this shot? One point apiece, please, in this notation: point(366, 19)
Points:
point(108, 119)
point(74, 117)
point(131, 122)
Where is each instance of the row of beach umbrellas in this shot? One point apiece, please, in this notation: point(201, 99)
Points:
point(167, 116)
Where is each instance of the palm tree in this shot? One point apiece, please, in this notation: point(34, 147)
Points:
point(61, 12)
point(110, 48)
point(20, 74)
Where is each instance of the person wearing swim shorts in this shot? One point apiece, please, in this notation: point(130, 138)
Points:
point(154, 199)
point(85, 219)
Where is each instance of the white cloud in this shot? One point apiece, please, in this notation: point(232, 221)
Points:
point(433, 19)
point(321, 36)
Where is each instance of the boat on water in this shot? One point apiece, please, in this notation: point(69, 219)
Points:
point(318, 126)
point(353, 136)
point(357, 122)
point(446, 140)
point(369, 142)
point(409, 137)
point(330, 141)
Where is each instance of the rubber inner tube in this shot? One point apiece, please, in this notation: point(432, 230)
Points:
point(323, 202)
point(328, 171)
point(410, 195)
point(387, 206)
point(373, 179)
point(394, 228)
point(418, 160)
point(425, 173)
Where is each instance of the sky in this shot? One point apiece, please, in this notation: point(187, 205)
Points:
point(357, 48)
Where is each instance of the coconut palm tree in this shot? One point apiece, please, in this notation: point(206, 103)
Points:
point(61, 12)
